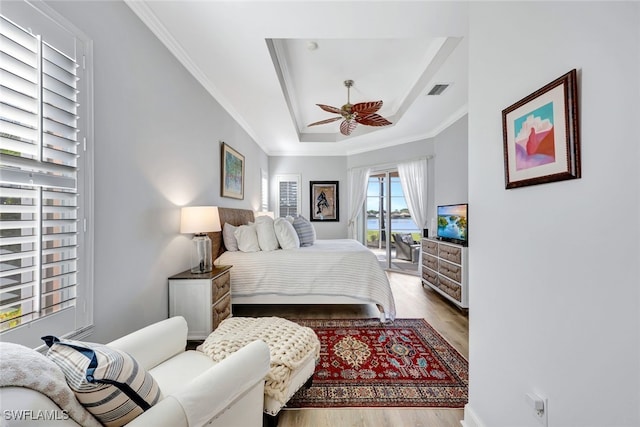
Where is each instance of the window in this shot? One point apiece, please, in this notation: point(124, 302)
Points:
point(288, 195)
point(45, 181)
point(264, 190)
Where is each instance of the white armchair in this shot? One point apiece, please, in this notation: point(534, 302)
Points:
point(195, 390)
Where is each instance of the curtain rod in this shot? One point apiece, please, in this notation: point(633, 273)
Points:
point(391, 165)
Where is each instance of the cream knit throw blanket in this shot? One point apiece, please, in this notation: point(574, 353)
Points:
point(289, 344)
point(21, 366)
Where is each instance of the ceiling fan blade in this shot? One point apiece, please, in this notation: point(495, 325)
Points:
point(373, 120)
point(330, 109)
point(322, 122)
point(347, 126)
point(366, 108)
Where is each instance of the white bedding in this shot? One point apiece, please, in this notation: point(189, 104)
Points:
point(340, 268)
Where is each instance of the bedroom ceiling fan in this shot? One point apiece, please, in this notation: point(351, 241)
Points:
point(362, 112)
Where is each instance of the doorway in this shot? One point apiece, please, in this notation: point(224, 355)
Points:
point(390, 231)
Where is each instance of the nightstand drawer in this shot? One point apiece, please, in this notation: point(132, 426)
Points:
point(203, 299)
point(220, 286)
point(221, 311)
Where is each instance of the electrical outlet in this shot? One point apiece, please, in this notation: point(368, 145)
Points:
point(540, 407)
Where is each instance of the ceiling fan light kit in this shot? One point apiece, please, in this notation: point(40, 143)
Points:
point(364, 113)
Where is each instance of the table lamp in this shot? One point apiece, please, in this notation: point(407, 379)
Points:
point(200, 220)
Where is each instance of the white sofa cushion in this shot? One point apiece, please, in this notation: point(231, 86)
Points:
point(146, 347)
point(178, 371)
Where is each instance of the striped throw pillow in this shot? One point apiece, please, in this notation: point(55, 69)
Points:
point(108, 382)
point(305, 230)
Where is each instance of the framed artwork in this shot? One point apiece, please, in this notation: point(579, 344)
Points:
point(232, 181)
point(541, 135)
point(324, 201)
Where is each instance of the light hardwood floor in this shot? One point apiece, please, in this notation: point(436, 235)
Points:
point(412, 301)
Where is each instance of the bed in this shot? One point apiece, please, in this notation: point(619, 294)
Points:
point(337, 271)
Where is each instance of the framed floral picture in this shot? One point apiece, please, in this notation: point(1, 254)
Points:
point(324, 201)
point(541, 135)
point(232, 180)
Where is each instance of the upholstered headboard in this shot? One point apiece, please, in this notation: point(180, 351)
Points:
point(228, 216)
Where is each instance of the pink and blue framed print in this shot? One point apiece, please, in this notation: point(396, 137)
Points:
point(541, 135)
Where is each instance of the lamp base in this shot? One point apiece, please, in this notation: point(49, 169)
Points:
point(201, 261)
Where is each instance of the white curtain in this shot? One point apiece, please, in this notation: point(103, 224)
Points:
point(413, 178)
point(358, 179)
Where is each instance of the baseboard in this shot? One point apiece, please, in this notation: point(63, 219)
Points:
point(470, 418)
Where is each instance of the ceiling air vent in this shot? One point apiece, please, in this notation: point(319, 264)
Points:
point(437, 89)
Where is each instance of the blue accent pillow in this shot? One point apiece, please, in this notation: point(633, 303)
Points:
point(305, 230)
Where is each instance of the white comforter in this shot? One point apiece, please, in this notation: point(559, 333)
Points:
point(341, 267)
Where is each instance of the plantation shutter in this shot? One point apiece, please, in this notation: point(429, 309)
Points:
point(288, 196)
point(38, 181)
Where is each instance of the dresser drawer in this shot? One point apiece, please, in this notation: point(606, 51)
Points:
point(430, 262)
point(451, 253)
point(221, 311)
point(429, 276)
point(429, 247)
point(450, 288)
point(452, 271)
point(221, 286)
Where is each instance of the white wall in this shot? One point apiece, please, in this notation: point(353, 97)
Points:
point(554, 297)
point(157, 136)
point(320, 168)
point(450, 164)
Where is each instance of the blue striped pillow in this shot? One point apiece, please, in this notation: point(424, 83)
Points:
point(305, 230)
point(108, 382)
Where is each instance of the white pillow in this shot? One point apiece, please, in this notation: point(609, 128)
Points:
point(286, 234)
point(247, 238)
point(266, 233)
point(228, 237)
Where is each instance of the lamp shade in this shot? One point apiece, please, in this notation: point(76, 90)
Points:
point(199, 219)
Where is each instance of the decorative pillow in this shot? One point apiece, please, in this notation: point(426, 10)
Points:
point(108, 382)
point(407, 238)
point(305, 230)
point(266, 233)
point(247, 238)
point(228, 238)
point(286, 234)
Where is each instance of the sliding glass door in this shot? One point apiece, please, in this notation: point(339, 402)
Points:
point(390, 231)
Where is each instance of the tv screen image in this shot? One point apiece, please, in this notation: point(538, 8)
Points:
point(452, 223)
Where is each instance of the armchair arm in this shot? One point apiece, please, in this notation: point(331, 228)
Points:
point(225, 383)
point(167, 412)
point(155, 343)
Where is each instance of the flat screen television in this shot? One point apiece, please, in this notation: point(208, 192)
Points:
point(452, 223)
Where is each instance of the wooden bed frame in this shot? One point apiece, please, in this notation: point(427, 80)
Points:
point(239, 217)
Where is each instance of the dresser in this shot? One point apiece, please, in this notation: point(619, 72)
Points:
point(444, 267)
point(204, 300)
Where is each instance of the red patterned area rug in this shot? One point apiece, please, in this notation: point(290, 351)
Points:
point(364, 363)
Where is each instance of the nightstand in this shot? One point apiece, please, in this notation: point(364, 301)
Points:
point(204, 300)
